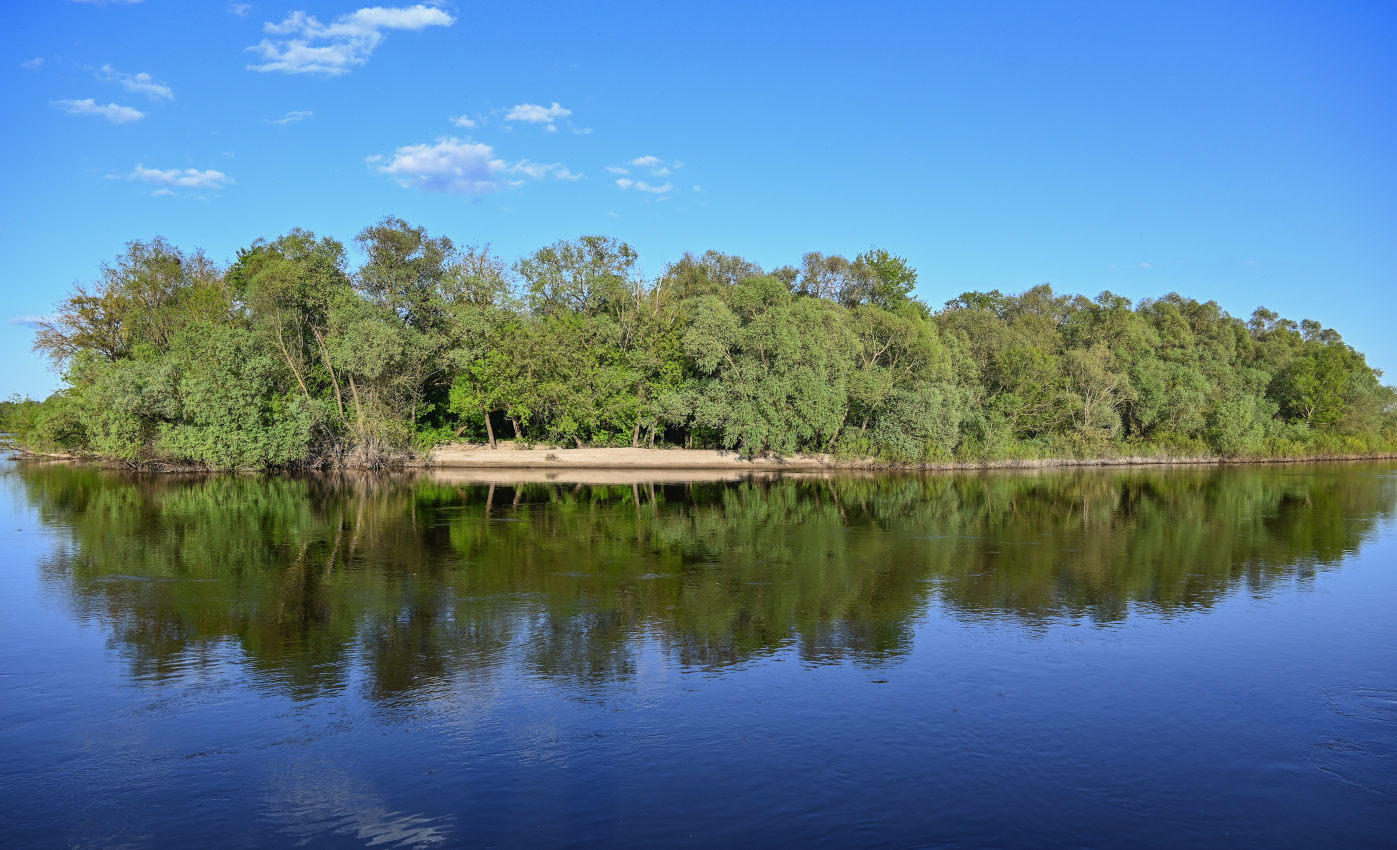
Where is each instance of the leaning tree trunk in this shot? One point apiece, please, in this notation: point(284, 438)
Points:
point(490, 430)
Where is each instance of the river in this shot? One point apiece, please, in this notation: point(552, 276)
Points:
point(1089, 658)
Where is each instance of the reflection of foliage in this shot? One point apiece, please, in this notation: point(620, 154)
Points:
point(427, 581)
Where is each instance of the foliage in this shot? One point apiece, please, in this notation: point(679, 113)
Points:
point(291, 358)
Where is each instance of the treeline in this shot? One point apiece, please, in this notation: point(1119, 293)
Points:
point(290, 357)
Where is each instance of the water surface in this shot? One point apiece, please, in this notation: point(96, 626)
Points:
point(1086, 658)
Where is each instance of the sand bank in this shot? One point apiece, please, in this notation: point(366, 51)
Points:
point(508, 456)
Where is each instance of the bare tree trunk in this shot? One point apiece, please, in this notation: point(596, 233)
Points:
point(358, 408)
point(490, 430)
point(334, 379)
point(838, 428)
point(514, 420)
point(635, 435)
point(286, 355)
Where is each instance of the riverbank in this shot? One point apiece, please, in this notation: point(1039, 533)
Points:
point(511, 456)
point(694, 463)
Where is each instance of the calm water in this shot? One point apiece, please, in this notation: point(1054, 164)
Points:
point(1096, 658)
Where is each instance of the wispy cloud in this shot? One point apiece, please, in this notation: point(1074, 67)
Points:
point(642, 186)
point(540, 170)
point(461, 167)
point(240, 9)
point(533, 113)
point(464, 121)
point(30, 321)
point(301, 44)
point(170, 179)
point(32, 64)
point(113, 112)
point(653, 165)
point(291, 117)
point(140, 83)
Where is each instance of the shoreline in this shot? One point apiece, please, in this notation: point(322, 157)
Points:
point(703, 463)
point(479, 456)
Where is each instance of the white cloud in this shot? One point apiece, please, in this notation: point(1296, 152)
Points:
point(463, 121)
point(698, 188)
point(291, 117)
point(652, 164)
point(115, 113)
point(1146, 266)
point(304, 45)
point(240, 9)
point(32, 64)
point(461, 167)
point(642, 186)
point(30, 321)
point(452, 166)
point(540, 170)
point(536, 170)
point(140, 83)
point(170, 179)
point(616, 169)
point(532, 113)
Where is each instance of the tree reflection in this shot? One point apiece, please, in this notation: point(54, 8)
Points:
point(423, 580)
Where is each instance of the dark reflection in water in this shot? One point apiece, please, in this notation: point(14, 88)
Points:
point(429, 578)
point(1087, 658)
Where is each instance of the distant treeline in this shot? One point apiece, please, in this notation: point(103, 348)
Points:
point(291, 358)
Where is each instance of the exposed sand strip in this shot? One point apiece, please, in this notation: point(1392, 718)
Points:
point(475, 456)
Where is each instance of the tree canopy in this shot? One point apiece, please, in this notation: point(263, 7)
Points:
point(292, 357)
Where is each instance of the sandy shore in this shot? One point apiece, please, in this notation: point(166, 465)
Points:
point(507, 456)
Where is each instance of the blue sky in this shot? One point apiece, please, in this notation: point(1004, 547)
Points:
point(1243, 152)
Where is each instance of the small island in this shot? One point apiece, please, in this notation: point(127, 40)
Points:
point(289, 358)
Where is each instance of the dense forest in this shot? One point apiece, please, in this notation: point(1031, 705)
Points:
point(289, 357)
